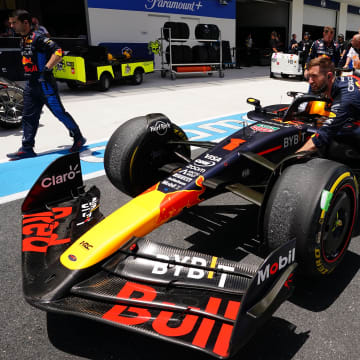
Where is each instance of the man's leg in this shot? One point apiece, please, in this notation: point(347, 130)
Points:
point(30, 121)
point(53, 102)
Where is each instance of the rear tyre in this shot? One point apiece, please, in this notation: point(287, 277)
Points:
point(138, 148)
point(11, 107)
point(315, 203)
point(104, 82)
point(137, 78)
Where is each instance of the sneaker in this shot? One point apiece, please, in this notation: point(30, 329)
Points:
point(78, 143)
point(22, 154)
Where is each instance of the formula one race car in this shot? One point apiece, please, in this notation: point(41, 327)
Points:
point(77, 262)
point(11, 104)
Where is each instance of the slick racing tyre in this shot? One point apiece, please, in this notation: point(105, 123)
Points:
point(138, 148)
point(11, 106)
point(315, 203)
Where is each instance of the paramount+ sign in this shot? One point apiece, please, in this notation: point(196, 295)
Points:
point(209, 8)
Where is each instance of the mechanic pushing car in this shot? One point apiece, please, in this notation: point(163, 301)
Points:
point(344, 93)
point(39, 56)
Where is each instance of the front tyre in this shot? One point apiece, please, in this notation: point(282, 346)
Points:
point(315, 203)
point(139, 148)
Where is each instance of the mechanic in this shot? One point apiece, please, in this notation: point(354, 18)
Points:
point(39, 56)
point(324, 47)
point(344, 93)
point(274, 42)
point(344, 48)
point(293, 44)
point(304, 46)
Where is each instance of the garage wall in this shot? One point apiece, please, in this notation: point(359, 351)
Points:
point(138, 22)
point(318, 16)
point(134, 26)
point(353, 22)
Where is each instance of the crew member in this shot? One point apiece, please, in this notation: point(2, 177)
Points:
point(343, 47)
point(354, 53)
point(304, 46)
point(39, 56)
point(345, 95)
point(324, 47)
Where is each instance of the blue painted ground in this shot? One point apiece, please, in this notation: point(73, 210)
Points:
point(18, 176)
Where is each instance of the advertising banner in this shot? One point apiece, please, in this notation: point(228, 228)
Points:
point(211, 8)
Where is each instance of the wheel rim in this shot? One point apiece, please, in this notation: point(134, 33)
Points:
point(11, 106)
point(338, 225)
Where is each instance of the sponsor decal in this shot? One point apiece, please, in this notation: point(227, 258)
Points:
point(72, 257)
point(319, 265)
point(192, 6)
point(160, 127)
point(162, 268)
point(39, 229)
point(204, 163)
point(197, 330)
point(154, 47)
point(213, 158)
point(62, 178)
point(87, 210)
point(264, 128)
point(268, 271)
point(86, 245)
point(294, 140)
point(351, 85)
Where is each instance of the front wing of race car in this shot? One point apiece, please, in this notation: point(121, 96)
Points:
point(197, 300)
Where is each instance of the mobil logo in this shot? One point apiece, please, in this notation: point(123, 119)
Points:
point(272, 269)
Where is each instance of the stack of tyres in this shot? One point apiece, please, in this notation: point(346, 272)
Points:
point(207, 32)
point(181, 54)
point(205, 54)
point(176, 30)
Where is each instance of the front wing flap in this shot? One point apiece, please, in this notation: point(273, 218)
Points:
point(181, 296)
point(197, 300)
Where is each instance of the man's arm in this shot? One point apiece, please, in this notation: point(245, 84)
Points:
point(54, 59)
point(308, 146)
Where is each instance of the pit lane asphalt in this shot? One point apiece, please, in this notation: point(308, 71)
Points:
point(320, 321)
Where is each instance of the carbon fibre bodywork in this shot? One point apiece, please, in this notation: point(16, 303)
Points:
point(77, 262)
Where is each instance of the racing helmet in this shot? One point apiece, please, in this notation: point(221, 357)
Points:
point(320, 110)
point(317, 108)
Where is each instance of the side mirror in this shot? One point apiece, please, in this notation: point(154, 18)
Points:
point(254, 102)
